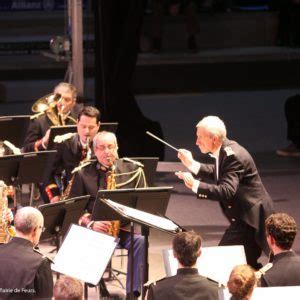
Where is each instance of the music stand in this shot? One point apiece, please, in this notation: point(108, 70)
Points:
point(61, 130)
point(13, 129)
point(152, 200)
point(60, 215)
point(9, 166)
point(35, 167)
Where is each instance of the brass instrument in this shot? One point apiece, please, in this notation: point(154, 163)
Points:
point(83, 163)
point(6, 230)
point(112, 185)
point(47, 105)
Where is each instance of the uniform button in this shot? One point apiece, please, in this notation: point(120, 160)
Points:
point(233, 219)
point(229, 206)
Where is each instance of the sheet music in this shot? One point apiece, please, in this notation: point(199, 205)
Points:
point(147, 218)
point(84, 254)
point(214, 262)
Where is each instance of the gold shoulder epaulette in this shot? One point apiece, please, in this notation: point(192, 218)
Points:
point(82, 165)
point(263, 270)
point(43, 255)
point(153, 282)
point(61, 138)
point(229, 151)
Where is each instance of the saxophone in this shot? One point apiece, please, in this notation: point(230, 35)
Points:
point(112, 185)
point(6, 230)
point(83, 163)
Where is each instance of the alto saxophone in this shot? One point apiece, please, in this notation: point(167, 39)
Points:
point(112, 185)
point(6, 230)
point(84, 162)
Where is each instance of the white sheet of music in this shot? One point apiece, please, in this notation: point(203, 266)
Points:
point(148, 218)
point(84, 254)
point(214, 262)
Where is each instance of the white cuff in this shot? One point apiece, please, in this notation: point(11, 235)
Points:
point(195, 186)
point(195, 167)
point(89, 226)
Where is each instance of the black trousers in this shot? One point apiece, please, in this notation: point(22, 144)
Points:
point(240, 233)
point(292, 113)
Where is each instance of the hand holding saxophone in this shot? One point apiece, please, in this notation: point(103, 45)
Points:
point(102, 226)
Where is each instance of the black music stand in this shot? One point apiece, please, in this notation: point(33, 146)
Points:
point(9, 166)
point(35, 167)
point(152, 200)
point(60, 130)
point(60, 215)
point(13, 129)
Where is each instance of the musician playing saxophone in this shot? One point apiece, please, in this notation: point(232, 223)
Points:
point(64, 111)
point(72, 149)
point(95, 176)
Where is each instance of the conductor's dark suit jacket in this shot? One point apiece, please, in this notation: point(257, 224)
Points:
point(25, 271)
point(38, 128)
point(186, 284)
point(238, 189)
point(93, 177)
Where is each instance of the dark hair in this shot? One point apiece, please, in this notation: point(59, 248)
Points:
point(282, 227)
point(241, 282)
point(186, 246)
point(89, 111)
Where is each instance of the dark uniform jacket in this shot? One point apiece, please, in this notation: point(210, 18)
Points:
point(284, 272)
point(93, 177)
point(38, 128)
point(69, 154)
point(24, 273)
point(187, 284)
point(239, 189)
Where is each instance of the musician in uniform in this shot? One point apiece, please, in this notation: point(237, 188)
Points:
point(284, 266)
point(25, 273)
point(73, 148)
point(187, 283)
point(64, 113)
point(236, 185)
point(97, 175)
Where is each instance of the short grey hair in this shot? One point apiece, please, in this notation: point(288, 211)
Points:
point(27, 219)
point(68, 86)
point(214, 125)
point(102, 134)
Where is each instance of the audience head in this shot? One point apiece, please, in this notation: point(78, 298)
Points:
point(187, 248)
point(106, 148)
point(241, 282)
point(211, 132)
point(68, 94)
point(68, 288)
point(281, 230)
point(29, 224)
point(88, 123)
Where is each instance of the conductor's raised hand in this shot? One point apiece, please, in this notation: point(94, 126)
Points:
point(101, 226)
point(186, 157)
point(187, 177)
